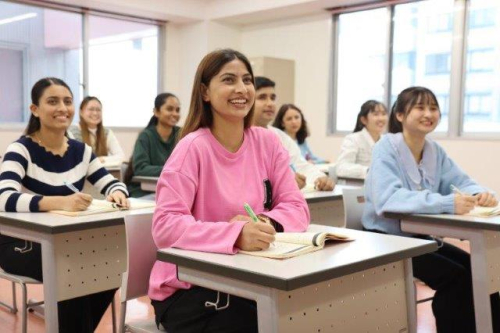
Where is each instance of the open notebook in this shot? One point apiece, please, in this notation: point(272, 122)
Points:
point(292, 244)
point(103, 206)
point(485, 211)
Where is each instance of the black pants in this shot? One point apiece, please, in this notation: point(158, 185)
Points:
point(448, 272)
point(185, 312)
point(76, 315)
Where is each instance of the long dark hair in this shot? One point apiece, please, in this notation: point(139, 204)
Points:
point(101, 148)
point(303, 132)
point(159, 101)
point(406, 100)
point(36, 93)
point(200, 113)
point(366, 108)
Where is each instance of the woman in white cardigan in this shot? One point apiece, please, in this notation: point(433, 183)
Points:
point(356, 152)
point(90, 130)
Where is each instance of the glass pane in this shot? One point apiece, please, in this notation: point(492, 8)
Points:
point(422, 50)
point(361, 63)
point(482, 80)
point(36, 43)
point(123, 69)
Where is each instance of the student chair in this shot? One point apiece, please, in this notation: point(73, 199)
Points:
point(22, 281)
point(354, 202)
point(141, 255)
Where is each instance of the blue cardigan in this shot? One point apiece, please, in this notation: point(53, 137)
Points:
point(395, 183)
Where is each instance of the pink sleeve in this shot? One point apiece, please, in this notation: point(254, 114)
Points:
point(174, 226)
point(289, 206)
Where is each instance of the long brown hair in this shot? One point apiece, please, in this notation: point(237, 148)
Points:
point(36, 93)
point(200, 113)
point(101, 148)
point(303, 131)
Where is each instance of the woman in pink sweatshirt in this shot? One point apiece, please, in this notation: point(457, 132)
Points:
point(219, 164)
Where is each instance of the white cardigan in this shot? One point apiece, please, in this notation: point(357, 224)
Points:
point(355, 155)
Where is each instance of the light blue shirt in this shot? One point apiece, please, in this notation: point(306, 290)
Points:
point(396, 183)
point(308, 154)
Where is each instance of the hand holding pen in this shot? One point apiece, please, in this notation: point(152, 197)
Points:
point(75, 202)
point(255, 236)
point(464, 203)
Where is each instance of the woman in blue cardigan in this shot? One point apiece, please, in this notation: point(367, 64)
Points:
point(410, 173)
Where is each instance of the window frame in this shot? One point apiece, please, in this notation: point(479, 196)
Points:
point(458, 71)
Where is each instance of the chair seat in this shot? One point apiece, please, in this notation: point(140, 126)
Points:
point(145, 326)
point(18, 278)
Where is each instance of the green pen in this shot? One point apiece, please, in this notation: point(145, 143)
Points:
point(250, 212)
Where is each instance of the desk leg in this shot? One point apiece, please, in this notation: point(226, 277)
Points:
point(410, 296)
point(482, 304)
point(266, 298)
point(50, 284)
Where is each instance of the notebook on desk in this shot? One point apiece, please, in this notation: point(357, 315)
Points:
point(292, 244)
point(485, 211)
point(103, 206)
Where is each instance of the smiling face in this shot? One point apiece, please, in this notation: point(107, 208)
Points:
point(55, 108)
point(376, 121)
point(265, 106)
point(422, 118)
point(169, 113)
point(231, 92)
point(92, 113)
point(292, 121)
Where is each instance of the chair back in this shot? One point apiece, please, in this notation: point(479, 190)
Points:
point(141, 256)
point(354, 202)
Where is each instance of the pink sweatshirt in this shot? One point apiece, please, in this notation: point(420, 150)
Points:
point(203, 186)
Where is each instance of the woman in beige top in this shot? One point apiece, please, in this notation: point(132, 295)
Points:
point(356, 152)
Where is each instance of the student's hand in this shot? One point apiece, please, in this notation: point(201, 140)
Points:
point(464, 203)
point(301, 180)
point(486, 199)
point(120, 198)
point(324, 183)
point(255, 236)
point(76, 202)
point(101, 159)
point(241, 218)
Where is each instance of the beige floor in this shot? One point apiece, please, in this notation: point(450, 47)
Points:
point(141, 309)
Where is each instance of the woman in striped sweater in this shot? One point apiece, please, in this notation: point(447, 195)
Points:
point(32, 178)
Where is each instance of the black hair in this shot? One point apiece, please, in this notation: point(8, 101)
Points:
point(366, 108)
point(159, 101)
point(406, 100)
point(263, 82)
point(36, 93)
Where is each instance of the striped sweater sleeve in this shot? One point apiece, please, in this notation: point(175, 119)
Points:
point(12, 172)
point(99, 177)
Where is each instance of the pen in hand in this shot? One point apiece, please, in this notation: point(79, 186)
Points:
point(252, 215)
point(71, 187)
point(456, 190)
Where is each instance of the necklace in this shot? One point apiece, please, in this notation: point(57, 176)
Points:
point(35, 136)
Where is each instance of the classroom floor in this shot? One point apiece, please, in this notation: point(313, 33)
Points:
point(141, 309)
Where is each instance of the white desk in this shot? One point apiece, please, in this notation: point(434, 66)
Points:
point(484, 237)
point(360, 286)
point(350, 181)
point(80, 255)
point(148, 184)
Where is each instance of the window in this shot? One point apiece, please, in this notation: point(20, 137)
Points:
point(481, 18)
point(481, 108)
point(437, 64)
point(34, 43)
point(440, 23)
point(37, 42)
point(414, 60)
point(361, 64)
point(125, 88)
